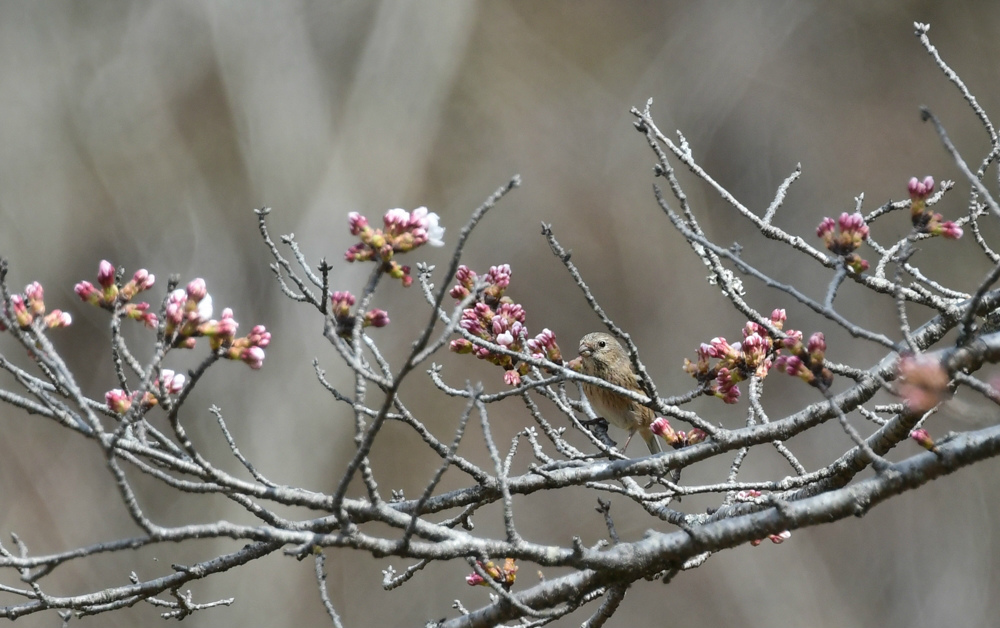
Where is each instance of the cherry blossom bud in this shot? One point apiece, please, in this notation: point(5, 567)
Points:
point(920, 189)
point(118, 401)
point(173, 382)
point(254, 357)
point(461, 345)
point(377, 318)
point(87, 292)
point(57, 318)
point(696, 436)
point(197, 289)
point(779, 538)
point(36, 298)
point(20, 311)
point(358, 222)
point(924, 439)
point(105, 274)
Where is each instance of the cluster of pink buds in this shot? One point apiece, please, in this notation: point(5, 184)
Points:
point(923, 382)
point(343, 319)
point(25, 309)
point(777, 539)
point(497, 319)
point(109, 295)
point(544, 347)
point(402, 231)
point(924, 220)
point(188, 315)
point(676, 438)
point(805, 361)
point(851, 231)
point(119, 401)
point(734, 363)
point(504, 576)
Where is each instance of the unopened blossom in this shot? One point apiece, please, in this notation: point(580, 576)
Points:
point(140, 312)
point(87, 292)
point(35, 297)
point(721, 365)
point(925, 220)
point(466, 279)
point(402, 231)
point(920, 189)
point(341, 304)
point(220, 332)
point(111, 298)
point(250, 348)
point(376, 318)
point(188, 308)
point(923, 438)
point(19, 309)
point(544, 346)
point(676, 438)
point(511, 378)
point(253, 357)
point(105, 274)
point(496, 319)
point(504, 574)
point(142, 280)
point(171, 381)
point(118, 401)
point(843, 237)
point(806, 361)
point(57, 318)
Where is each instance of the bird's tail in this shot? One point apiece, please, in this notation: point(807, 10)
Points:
point(652, 442)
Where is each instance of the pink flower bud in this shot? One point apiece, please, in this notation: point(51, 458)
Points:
point(197, 289)
point(924, 439)
point(87, 292)
point(358, 222)
point(377, 318)
point(106, 274)
point(779, 538)
point(461, 345)
point(173, 382)
point(118, 401)
point(254, 357)
point(57, 318)
point(817, 347)
point(920, 189)
point(949, 230)
point(661, 427)
point(20, 310)
point(696, 436)
point(36, 298)
point(260, 337)
point(825, 229)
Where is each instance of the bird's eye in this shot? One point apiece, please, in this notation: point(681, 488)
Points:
point(602, 344)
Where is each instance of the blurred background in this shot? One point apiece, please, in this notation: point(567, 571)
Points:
point(145, 133)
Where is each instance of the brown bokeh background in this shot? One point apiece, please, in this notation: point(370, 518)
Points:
point(146, 132)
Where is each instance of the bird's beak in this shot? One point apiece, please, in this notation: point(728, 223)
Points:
point(585, 351)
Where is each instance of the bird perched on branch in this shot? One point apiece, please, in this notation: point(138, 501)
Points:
point(602, 356)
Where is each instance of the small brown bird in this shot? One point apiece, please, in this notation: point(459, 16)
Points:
point(602, 356)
